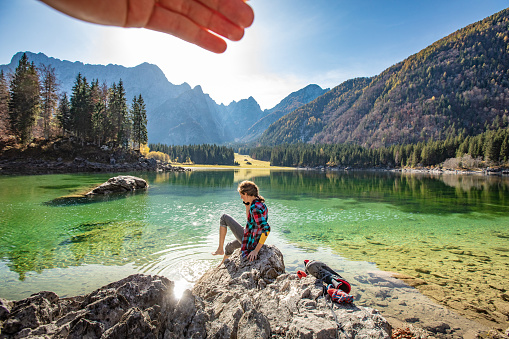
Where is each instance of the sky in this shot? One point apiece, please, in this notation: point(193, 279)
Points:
point(291, 44)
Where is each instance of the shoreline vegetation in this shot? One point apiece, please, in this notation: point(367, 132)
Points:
point(34, 159)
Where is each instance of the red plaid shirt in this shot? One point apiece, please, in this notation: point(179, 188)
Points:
point(256, 225)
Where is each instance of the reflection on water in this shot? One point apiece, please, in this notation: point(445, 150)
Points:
point(75, 199)
point(449, 231)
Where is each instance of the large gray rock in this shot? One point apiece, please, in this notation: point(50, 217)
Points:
point(120, 184)
point(239, 299)
point(294, 308)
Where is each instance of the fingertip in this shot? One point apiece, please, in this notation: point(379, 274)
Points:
point(236, 36)
point(219, 48)
point(210, 42)
point(249, 19)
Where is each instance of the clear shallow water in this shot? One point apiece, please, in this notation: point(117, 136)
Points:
point(452, 232)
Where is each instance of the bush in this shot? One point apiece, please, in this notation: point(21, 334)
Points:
point(465, 161)
point(159, 156)
point(144, 150)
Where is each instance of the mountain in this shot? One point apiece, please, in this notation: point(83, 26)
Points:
point(287, 105)
point(176, 114)
point(457, 85)
point(146, 79)
point(191, 118)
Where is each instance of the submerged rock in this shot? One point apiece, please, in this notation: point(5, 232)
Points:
point(239, 299)
point(120, 184)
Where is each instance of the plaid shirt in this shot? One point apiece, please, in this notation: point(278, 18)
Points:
point(256, 225)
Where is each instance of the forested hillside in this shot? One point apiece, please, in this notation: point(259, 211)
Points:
point(458, 85)
point(30, 107)
point(287, 105)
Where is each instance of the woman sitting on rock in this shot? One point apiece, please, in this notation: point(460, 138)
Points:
point(251, 238)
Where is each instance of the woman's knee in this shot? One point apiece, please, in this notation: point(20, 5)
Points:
point(222, 220)
point(225, 220)
point(231, 246)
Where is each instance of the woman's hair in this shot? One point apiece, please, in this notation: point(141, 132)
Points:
point(250, 188)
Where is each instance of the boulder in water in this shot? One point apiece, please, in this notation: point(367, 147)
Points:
point(120, 184)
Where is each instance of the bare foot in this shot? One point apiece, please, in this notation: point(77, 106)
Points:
point(218, 252)
point(222, 261)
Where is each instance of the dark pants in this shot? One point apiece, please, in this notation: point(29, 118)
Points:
point(237, 230)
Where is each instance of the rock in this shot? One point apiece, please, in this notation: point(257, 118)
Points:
point(238, 299)
point(120, 184)
point(409, 280)
point(294, 308)
point(5, 309)
point(436, 327)
point(28, 165)
point(253, 324)
point(132, 307)
point(412, 320)
point(133, 324)
point(502, 307)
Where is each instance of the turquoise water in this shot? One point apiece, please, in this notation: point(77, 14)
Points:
point(451, 231)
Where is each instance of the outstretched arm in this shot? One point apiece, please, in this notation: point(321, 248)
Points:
point(189, 20)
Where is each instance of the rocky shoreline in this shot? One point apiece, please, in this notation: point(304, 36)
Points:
point(69, 155)
point(499, 171)
point(239, 299)
point(31, 166)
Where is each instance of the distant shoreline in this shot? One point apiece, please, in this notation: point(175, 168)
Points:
point(500, 173)
point(33, 166)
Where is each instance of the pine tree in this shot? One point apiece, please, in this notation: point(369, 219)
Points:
point(494, 145)
point(80, 108)
point(64, 114)
point(504, 148)
point(4, 105)
point(101, 125)
point(98, 109)
point(24, 104)
point(49, 98)
point(139, 116)
point(120, 114)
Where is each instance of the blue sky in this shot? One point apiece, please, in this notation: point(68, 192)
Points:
point(290, 45)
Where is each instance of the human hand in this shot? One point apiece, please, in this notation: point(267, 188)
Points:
point(190, 20)
point(252, 255)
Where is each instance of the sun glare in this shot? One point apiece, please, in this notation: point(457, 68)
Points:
point(235, 75)
point(179, 288)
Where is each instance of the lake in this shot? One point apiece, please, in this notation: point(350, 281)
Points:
point(446, 235)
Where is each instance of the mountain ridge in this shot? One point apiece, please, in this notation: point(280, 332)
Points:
point(166, 103)
point(453, 86)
